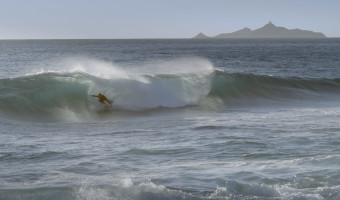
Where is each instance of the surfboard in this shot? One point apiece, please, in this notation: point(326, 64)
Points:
point(108, 106)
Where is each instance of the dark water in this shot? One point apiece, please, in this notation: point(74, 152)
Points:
point(192, 119)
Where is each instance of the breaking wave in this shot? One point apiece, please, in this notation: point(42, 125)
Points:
point(306, 188)
point(66, 95)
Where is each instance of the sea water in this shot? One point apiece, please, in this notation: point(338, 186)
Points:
point(191, 119)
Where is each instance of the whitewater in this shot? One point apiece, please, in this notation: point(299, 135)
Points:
point(191, 119)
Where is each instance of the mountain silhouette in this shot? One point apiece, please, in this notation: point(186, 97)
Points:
point(201, 36)
point(268, 31)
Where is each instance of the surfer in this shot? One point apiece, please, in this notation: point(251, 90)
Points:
point(102, 98)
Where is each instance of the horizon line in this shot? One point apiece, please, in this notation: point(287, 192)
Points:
point(2, 39)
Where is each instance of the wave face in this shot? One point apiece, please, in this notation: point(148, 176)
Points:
point(231, 86)
point(67, 95)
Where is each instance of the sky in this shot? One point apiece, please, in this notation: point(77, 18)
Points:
point(119, 19)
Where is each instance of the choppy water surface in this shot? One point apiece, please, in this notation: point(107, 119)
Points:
point(192, 119)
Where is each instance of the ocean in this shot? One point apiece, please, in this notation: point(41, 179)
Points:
point(191, 119)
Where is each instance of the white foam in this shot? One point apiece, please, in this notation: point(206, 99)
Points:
point(127, 182)
point(138, 92)
point(88, 192)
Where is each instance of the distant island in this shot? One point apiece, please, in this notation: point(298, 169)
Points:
point(267, 31)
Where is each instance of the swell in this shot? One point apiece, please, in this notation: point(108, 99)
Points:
point(228, 86)
point(65, 96)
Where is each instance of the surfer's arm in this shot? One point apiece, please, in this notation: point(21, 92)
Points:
point(94, 95)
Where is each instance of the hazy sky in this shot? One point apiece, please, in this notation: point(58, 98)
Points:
point(160, 18)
